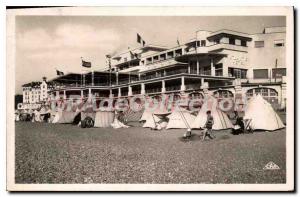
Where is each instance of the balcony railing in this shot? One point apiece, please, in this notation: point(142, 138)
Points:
point(173, 88)
point(192, 86)
point(136, 92)
point(175, 72)
point(153, 90)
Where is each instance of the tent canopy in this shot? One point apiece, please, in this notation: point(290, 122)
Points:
point(180, 118)
point(221, 120)
point(262, 115)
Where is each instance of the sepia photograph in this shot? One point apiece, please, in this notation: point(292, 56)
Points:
point(150, 99)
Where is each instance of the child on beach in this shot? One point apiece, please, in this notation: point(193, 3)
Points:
point(208, 126)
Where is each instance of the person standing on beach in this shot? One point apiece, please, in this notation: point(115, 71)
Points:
point(208, 126)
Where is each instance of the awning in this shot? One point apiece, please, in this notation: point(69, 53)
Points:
point(161, 64)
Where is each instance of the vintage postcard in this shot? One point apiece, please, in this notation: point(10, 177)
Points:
point(150, 99)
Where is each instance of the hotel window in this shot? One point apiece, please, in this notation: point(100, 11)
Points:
point(265, 92)
point(163, 56)
point(278, 43)
point(125, 59)
point(232, 41)
point(260, 74)
point(249, 93)
point(206, 71)
point(178, 52)
point(149, 60)
point(237, 73)
point(203, 43)
point(170, 55)
point(243, 43)
point(273, 92)
point(259, 44)
point(219, 69)
point(155, 58)
point(278, 72)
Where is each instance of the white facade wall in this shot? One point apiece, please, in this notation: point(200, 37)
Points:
point(37, 94)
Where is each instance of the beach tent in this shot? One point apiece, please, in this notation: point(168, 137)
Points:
point(156, 118)
point(104, 118)
point(180, 118)
point(146, 115)
point(118, 124)
point(64, 116)
point(156, 121)
point(221, 120)
point(262, 115)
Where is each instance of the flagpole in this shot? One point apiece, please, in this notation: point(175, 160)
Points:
point(196, 43)
point(81, 77)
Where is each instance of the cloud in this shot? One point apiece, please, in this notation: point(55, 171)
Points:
point(67, 36)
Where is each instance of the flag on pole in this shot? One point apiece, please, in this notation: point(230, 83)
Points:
point(59, 73)
point(133, 55)
point(86, 64)
point(178, 42)
point(140, 40)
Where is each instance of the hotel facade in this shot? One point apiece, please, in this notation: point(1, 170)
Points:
point(224, 63)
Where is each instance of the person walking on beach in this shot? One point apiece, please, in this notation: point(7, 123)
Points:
point(208, 126)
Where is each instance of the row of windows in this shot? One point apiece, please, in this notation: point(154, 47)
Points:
point(162, 57)
point(264, 73)
point(265, 92)
point(261, 43)
point(237, 73)
point(233, 41)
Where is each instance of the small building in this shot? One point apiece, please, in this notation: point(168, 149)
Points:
point(35, 94)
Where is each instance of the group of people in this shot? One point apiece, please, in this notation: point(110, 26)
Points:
point(37, 115)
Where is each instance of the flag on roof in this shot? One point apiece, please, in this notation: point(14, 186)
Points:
point(140, 40)
point(133, 55)
point(86, 64)
point(59, 73)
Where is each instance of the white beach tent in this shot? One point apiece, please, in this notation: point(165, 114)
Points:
point(62, 116)
point(146, 115)
point(156, 118)
point(104, 118)
point(180, 118)
point(262, 115)
point(221, 120)
point(118, 125)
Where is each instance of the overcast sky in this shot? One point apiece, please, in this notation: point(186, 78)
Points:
point(44, 43)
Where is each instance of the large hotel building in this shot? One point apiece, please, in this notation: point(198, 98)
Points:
point(224, 63)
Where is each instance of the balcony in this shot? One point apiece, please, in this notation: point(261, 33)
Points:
point(153, 90)
point(216, 47)
point(252, 80)
point(173, 88)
